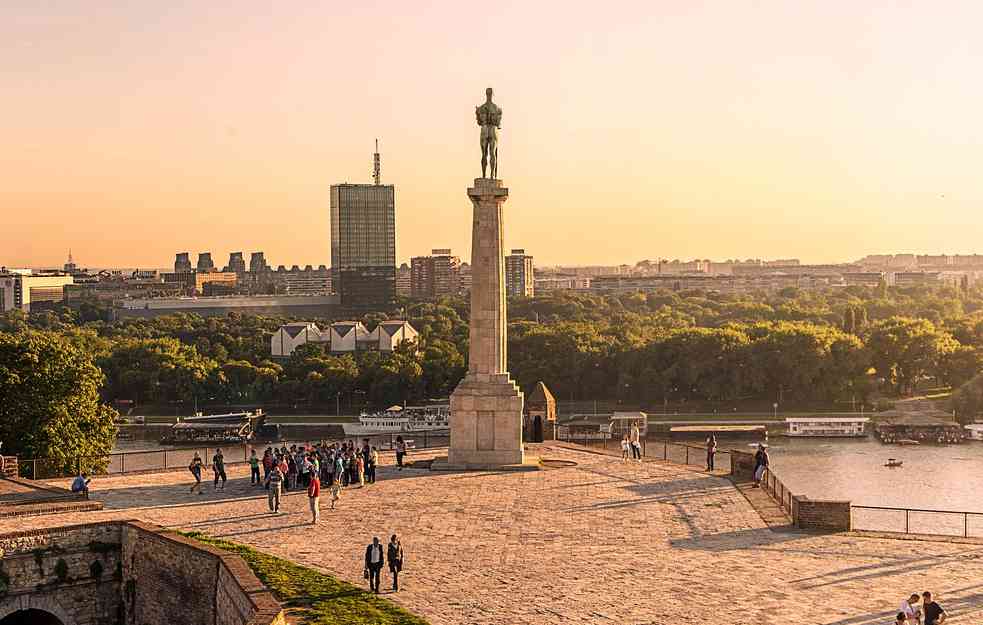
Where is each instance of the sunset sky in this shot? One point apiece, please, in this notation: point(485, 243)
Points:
point(821, 130)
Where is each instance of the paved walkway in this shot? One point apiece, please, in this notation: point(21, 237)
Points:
point(600, 542)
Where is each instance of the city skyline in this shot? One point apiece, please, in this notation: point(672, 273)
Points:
point(641, 132)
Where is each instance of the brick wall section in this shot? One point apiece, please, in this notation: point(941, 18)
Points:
point(30, 560)
point(150, 577)
point(822, 515)
point(179, 581)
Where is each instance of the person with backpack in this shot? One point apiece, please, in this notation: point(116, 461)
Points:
point(195, 468)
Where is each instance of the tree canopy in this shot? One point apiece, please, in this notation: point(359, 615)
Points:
point(49, 399)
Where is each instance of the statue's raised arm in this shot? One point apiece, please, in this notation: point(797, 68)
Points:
point(489, 118)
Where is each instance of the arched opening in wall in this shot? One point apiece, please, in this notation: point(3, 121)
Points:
point(30, 617)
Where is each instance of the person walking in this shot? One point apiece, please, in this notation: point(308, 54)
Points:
point(760, 464)
point(360, 468)
point(195, 468)
point(253, 468)
point(932, 611)
point(395, 559)
point(711, 451)
point(275, 484)
point(218, 466)
point(313, 497)
point(400, 447)
point(374, 559)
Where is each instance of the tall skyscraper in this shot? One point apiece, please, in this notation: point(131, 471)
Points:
point(257, 263)
point(519, 280)
point(363, 241)
point(205, 263)
point(237, 263)
point(182, 262)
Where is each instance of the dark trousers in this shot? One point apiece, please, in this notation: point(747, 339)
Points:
point(220, 474)
point(375, 571)
point(370, 474)
point(399, 458)
point(254, 475)
point(636, 451)
point(710, 455)
point(395, 573)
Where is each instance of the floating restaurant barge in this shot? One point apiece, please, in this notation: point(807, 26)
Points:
point(914, 429)
point(228, 429)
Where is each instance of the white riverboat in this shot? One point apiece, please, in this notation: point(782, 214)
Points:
point(819, 426)
point(400, 420)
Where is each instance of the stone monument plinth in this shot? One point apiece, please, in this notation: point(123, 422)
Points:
point(486, 407)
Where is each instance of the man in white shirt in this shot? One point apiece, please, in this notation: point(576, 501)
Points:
point(911, 610)
point(374, 559)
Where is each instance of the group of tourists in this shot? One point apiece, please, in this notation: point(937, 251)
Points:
point(376, 559)
point(928, 613)
point(336, 466)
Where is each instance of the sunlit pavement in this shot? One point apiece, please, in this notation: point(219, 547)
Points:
point(599, 542)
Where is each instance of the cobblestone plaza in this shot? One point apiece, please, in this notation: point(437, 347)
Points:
point(598, 542)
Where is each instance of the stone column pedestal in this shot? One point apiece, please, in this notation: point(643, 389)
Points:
point(486, 407)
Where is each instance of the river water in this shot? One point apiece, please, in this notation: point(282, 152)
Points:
point(932, 477)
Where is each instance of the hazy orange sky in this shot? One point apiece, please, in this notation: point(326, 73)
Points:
point(631, 130)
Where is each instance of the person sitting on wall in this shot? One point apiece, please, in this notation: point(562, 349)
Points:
point(81, 485)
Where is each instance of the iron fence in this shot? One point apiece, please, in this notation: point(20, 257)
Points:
point(780, 493)
point(678, 453)
point(917, 521)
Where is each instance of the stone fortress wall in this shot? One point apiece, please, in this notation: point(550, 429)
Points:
point(129, 573)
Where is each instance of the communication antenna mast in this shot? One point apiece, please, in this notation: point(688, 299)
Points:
point(376, 165)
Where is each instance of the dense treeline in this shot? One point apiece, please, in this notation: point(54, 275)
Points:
point(793, 347)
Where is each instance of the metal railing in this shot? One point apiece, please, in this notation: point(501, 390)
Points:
point(917, 521)
point(678, 453)
point(779, 492)
point(166, 458)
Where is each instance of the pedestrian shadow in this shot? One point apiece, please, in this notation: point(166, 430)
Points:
point(739, 540)
point(867, 572)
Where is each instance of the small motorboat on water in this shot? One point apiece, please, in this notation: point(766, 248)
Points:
point(907, 441)
point(891, 462)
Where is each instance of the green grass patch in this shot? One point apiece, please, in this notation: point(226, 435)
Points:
point(312, 597)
